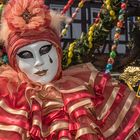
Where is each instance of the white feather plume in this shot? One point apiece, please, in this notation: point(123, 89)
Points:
point(57, 19)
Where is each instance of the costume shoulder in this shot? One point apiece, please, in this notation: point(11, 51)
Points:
point(117, 110)
point(78, 75)
point(8, 80)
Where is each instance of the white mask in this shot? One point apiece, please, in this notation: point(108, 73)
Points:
point(39, 61)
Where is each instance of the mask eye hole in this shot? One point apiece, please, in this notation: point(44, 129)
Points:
point(45, 49)
point(25, 54)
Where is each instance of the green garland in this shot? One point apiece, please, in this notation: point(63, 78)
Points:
point(81, 51)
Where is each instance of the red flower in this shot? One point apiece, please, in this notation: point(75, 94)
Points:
point(27, 14)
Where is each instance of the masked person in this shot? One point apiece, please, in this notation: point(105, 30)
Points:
point(40, 101)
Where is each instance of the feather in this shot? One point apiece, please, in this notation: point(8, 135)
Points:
point(57, 20)
point(4, 31)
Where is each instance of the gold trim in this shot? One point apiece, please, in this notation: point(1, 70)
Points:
point(51, 106)
point(13, 128)
point(37, 122)
point(4, 106)
point(46, 111)
point(64, 138)
point(37, 99)
point(26, 96)
point(57, 125)
point(93, 125)
point(84, 131)
point(121, 116)
point(52, 103)
point(93, 74)
point(49, 85)
point(138, 92)
point(109, 103)
point(79, 104)
point(79, 88)
point(131, 75)
point(31, 93)
point(93, 77)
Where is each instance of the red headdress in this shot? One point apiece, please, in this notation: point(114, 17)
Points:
point(28, 21)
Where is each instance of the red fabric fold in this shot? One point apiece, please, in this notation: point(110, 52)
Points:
point(64, 133)
point(76, 96)
point(130, 124)
point(118, 99)
point(99, 89)
point(80, 112)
